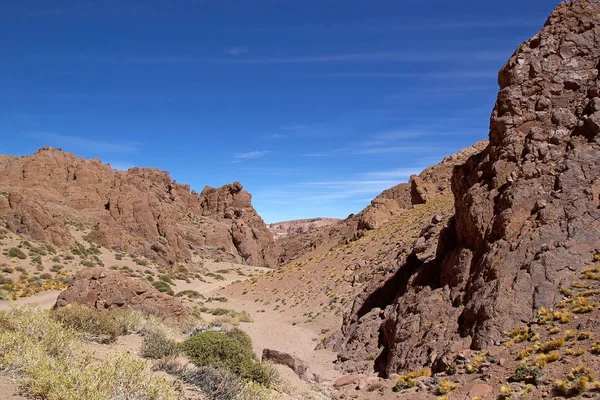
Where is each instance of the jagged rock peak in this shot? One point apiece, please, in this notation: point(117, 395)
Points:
point(527, 211)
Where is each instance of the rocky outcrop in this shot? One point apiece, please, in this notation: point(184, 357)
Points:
point(31, 218)
point(433, 182)
point(527, 212)
point(104, 289)
point(299, 226)
point(297, 365)
point(141, 211)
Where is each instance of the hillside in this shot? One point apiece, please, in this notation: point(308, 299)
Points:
point(432, 182)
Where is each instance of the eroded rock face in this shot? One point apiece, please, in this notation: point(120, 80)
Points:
point(104, 289)
point(527, 212)
point(141, 211)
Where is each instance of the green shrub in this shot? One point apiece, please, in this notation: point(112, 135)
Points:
point(5, 281)
point(215, 276)
point(241, 337)
point(527, 373)
point(37, 251)
point(192, 294)
point(56, 268)
point(234, 315)
point(216, 384)
point(219, 299)
point(232, 352)
point(13, 252)
point(166, 278)
point(163, 287)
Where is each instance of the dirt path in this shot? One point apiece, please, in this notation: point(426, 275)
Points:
point(45, 300)
point(9, 389)
point(282, 331)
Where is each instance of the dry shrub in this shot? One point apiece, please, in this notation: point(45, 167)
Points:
point(51, 361)
point(158, 345)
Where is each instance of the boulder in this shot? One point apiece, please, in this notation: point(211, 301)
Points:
point(294, 363)
point(104, 289)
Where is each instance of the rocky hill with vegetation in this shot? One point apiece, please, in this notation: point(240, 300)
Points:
point(141, 211)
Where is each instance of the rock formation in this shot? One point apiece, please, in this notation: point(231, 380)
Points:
point(103, 289)
point(527, 213)
point(300, 367)
point(299, 226)
point(141, 211)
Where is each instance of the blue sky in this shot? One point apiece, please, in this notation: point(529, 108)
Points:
point(316, 106)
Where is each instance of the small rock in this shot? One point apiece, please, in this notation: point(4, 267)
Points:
point(348, 380)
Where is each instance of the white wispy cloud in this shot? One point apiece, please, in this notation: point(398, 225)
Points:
point(411, 75)
point(441, 25)
point(359, 57)
point(319, 192)
point(250, 155)
point(235, 51)
point(381, 56)
point(86, 143)
point(276, 136)
point(296, 127)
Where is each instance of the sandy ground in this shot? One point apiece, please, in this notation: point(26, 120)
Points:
point(9, 389)
point(45, 300)
point(271, 329)
point(283, 331)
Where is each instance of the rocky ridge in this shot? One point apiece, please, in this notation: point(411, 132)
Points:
point(527, 214)
point(141, 211)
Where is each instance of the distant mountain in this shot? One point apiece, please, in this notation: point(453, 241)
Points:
point(299, 226)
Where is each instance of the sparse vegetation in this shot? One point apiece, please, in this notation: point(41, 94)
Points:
point(552, 344)
point(50, 361)
point(14, 252)
point(190, 294)
point(157, 345)
point(526, 373)
point(231, 351)
point(475, 365)
point(242, 316)
point(103, 326)
point(577, 382)
point(409, 380)
point(446, 386)
point(163, 287)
